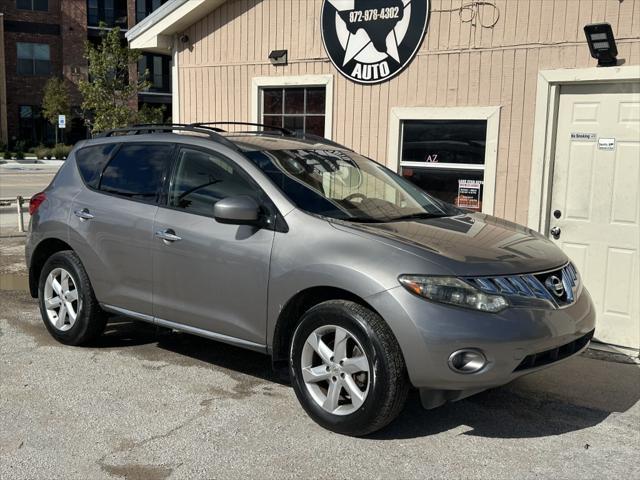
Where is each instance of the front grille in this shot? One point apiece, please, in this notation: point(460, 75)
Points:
point(555, 354)
point(559, 287)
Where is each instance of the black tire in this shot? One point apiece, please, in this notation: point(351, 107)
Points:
point(91, 319)
point(389, 384)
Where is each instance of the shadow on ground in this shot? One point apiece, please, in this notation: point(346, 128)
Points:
point(573, 395)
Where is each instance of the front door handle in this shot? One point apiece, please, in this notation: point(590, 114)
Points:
point(168, 235)
point(83, 214)
point(555, 232)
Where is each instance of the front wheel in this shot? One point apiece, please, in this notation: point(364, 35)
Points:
point(347, 368)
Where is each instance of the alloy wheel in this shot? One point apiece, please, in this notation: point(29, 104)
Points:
point(61, 299)
point(335, 370)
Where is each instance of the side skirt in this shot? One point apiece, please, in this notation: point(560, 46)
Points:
point(187, 329)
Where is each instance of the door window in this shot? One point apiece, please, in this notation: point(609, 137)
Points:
point(446, 159)
point(136, 171)
point(202, 178)
point(296, 108)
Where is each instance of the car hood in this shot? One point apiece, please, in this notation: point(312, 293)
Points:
point(469, 244)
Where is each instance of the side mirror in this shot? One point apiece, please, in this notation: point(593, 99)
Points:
point(240, 210)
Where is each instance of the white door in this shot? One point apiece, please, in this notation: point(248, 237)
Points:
point(595, 201)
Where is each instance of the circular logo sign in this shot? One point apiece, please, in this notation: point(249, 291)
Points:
point(371, 41)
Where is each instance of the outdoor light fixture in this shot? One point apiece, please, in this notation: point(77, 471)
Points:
point(602, 44)
point(279, 57)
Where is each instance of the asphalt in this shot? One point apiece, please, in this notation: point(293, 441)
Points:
point(146, 404)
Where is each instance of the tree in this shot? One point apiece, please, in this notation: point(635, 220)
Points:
point(110, 91)
point(55, 101)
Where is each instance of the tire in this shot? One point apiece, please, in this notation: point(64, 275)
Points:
point(90, 320)
point(382, 391)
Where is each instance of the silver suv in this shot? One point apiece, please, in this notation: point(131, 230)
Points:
point(356, 281)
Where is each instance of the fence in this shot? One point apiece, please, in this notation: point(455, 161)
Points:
point(19, 201)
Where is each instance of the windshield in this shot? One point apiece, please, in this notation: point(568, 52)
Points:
point(347, 186)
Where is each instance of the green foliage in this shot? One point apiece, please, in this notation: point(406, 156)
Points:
point(42, 152)
point(110, 92)
point(55, 100)
point(148, 114)
point(61, 151)
point(20, 146)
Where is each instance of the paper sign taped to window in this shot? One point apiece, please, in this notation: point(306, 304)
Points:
point(469, 194)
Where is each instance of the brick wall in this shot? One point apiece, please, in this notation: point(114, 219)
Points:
point(73, 30)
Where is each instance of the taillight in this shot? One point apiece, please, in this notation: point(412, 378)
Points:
point(36, 201)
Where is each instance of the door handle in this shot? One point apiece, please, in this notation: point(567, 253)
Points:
point(555, 232)
point(83, 214)
point(168, 235)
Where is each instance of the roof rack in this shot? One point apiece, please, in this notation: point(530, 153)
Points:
point(140, 129)
point(284, 131)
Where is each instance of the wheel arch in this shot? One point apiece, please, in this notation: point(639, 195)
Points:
point(293, 310)
point(41, 254)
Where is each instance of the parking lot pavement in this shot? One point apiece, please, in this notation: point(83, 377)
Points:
point(24, 180)
point(141, 404)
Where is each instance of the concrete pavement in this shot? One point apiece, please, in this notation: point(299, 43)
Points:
point(142, 404)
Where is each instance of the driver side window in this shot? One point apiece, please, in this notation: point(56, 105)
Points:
point(201, 179)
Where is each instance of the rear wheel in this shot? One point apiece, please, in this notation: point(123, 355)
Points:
point(68, 305)
point(347, 369)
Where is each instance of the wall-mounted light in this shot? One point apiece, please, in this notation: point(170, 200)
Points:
point(602, 44)
point(279, 57)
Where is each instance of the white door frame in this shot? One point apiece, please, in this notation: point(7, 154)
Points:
point(490, 114)
point(544, 133)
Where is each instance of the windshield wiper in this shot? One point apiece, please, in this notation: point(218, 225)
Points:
point(418, 216)
point(362, 220)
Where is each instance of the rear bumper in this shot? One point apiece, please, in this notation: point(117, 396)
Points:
point(515, 342)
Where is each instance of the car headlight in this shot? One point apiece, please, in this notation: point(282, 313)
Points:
point(453, 291)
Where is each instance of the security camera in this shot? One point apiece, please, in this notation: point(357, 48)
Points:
point(184, 38)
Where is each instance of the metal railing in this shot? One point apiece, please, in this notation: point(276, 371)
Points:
point(19, 201)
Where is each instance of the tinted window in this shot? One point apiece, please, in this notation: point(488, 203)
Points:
point(201, 179)
point(136, 171)
point(91, 162)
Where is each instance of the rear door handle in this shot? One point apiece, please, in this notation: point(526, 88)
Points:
point(83, 214)
point(168, 235)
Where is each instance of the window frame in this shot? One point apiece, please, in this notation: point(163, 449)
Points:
point(264, 200)
point(490, 114)
point(297, 81)
point(32, 9)
point(33, 60)
point(113, 154)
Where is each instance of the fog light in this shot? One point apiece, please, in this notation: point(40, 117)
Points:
point(467, 361)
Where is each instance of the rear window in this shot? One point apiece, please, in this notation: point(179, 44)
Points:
point(91, 162)
point(136, 171)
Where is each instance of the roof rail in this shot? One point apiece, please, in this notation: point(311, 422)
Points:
point(139, 129)
point(284, 131)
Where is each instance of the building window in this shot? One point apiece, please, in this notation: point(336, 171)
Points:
point(449, 152)
point(33, 127)
point(37, 5)
point(296, 108)
point(446, 159)
point(34, 59)
point(158, 68)
point(144, 8)
point(111, 13)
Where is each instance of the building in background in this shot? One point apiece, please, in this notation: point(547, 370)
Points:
point(496, 106)
point(45, 38)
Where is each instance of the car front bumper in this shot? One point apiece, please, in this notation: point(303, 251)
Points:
point(515, 341)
